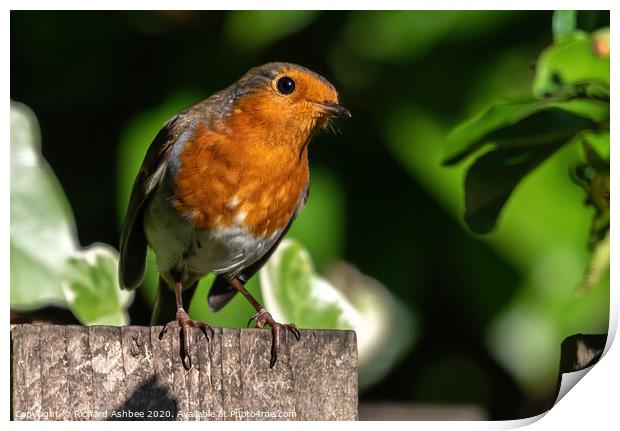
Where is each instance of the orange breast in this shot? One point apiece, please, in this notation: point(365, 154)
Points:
point(237, 175)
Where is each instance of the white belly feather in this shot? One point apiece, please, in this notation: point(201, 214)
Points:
point(177, 244)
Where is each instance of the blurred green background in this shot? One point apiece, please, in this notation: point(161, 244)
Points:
point(488, 313)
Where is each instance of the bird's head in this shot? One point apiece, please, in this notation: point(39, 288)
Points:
point(286, 99)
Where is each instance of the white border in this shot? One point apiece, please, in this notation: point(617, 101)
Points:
point(592, 404)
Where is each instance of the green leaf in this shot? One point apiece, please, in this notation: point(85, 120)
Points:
point(493, 177)
point(564, 24)
point(388, 328)
point(597, 143)
point(255, 29)
point(293, 292)
point(90, 284)
point(43, 232)
point(396, 35)
point(573, 63)
point(524, 123)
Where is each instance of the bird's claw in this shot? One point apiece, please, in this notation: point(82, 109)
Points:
point(183, 322)
point(263, 318)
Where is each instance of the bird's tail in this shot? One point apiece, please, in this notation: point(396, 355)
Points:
point(221, 293)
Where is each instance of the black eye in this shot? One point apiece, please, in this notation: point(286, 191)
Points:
point(285, 85)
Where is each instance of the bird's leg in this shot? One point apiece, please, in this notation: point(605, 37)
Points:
point(262, 318)
point(184, 322)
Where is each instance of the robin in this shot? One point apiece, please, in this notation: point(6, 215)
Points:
point(218, 189)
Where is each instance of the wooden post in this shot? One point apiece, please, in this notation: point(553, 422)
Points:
point(107, 373)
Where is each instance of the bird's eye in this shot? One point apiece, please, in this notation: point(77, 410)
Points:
point(285, 85)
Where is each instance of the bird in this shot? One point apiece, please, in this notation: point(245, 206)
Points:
point(219, 187)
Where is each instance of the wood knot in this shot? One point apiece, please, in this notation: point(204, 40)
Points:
point(137, 340)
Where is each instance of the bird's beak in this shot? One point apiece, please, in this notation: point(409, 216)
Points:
point(334, 110)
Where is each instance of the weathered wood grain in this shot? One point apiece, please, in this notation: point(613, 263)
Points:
point(108, 373)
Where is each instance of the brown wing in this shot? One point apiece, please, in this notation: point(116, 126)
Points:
point(133, 243)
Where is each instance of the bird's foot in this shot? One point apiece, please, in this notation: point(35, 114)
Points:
point(183, 322)
point(262, 318)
